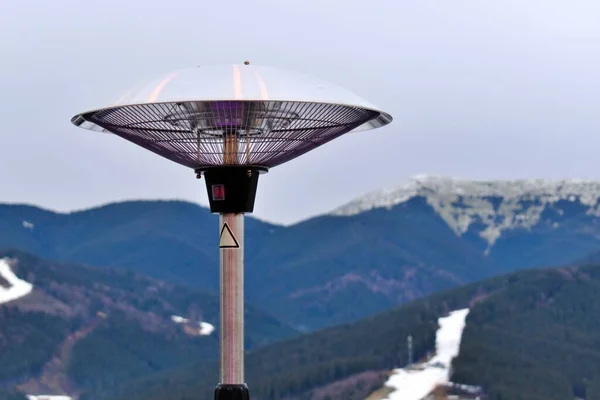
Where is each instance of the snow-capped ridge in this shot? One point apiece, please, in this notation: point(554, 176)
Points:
point(498, 205)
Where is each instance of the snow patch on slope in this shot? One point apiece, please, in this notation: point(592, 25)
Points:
point(179, 320)
point(17, 288)
point(28, 225)
point(499, 205)
point(204, 328)
point(418, 381)
point(47, 397)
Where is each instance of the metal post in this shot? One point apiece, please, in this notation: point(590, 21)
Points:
point(231, 243)
point(410, 350)
point(232, 298)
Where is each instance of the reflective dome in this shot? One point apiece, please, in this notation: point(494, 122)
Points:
point(235, 114)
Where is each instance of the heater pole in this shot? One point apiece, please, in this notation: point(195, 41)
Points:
point(232, 298)
point(231, 242)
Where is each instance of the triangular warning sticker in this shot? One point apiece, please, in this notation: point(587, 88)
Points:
point(227, 240)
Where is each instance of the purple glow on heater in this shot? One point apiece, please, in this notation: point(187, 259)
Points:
point(228, 114)
point(308, 125)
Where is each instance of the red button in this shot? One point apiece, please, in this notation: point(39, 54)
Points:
point(218, 192)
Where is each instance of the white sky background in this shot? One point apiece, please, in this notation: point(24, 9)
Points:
point(478, 89)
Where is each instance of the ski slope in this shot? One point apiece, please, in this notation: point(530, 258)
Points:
point(18, 287)
point(417, 382)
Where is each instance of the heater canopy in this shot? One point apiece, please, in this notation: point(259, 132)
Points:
point(207, 117)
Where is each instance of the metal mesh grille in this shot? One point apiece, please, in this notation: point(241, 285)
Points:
point(206, 134)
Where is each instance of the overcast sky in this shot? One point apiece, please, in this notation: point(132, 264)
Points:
point(477, 89)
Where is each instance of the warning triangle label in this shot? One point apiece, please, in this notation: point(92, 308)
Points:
point(227, 240)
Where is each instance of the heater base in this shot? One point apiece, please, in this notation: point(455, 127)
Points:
point(232, 392)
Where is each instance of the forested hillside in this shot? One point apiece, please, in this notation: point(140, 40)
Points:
point(382, 250)
point(353, 358)
point(530, 335)
point(317, 273)
point(90, 328)
point(537, 339)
